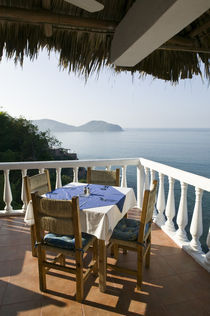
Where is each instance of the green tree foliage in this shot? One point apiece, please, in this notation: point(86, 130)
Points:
point(20, 140)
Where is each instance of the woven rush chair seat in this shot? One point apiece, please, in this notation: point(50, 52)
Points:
point(128, 229)
point(58, 230)
point(66, 242)
point(133, 235)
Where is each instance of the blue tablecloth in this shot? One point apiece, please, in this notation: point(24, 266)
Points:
point(100, 195)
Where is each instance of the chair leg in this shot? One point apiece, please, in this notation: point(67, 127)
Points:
point(95, 256)
point(139, 268)
point(42, 272)
point(79, 277)
point(147, 259)
point(112, 250)
point(33, 241)
point(116, 251)
point(62, 260)
point(124, 250)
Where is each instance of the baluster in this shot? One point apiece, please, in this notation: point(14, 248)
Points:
point(108, 168)
point(58, 183)
point(170, 206)
point(160, 218)
point(182, 215)
point(140, 185)
point(207, 259)
point(196, 227)
point(23, 192)
point(75, 171)
point(146, 179)
point(41, 170)
point(124, 178)
point(152, 177)
point(7, 192)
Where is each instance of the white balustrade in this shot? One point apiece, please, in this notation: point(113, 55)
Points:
point(146, 179)
point(196, 227)
point(182, 216)
point(152, 177)
point(140, 185)
point(41, 170)
point(75, 172)
point(170, 207)
point(108, 168)
point(7, 192)
point(124, 178)
point(58, 183)
point(160, 218)
point(207, 258)
point(23, 192)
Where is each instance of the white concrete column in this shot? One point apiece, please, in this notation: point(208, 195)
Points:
point(146, 179)
point(140, 185)
point(182, 215)
point(160, 218)
point(58, 183)
point(75, 171)
point(152, 177)
point(196, 227)
point(207, 259)
point(23, 191)
point(124, 178)
point(7, 197)
point(170, 207)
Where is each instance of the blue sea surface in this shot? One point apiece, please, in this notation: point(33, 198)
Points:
point(186, 149)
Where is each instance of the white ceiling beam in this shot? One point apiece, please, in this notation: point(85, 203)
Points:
point(149, 24)
point(88, 5)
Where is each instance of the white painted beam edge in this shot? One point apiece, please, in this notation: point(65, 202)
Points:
point(140, 33)
point(88, 5)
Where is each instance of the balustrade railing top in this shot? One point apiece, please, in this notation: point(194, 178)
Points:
point(178, 174)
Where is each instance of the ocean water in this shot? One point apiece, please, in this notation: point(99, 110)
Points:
point(186, 149)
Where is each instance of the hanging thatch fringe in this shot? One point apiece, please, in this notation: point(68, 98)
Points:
point(87, 51)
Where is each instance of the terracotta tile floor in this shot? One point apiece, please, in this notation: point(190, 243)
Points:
point(174, 285)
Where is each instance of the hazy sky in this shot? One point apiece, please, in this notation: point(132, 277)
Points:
point(41, 90)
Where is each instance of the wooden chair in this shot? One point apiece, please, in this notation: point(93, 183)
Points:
point(62, 219)
point(103, 177)
point(40, 183)
point(135, 235)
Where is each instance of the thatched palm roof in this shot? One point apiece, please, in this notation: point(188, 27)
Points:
point(83, 39)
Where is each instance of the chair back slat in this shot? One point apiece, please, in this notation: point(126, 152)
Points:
point(103, 177)
point(53, 225)
point(38, 183)
point(57, 216)
point(147, 210)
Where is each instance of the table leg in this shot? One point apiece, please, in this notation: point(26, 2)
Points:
point(102, 265)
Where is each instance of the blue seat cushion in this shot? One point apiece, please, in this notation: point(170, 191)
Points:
point(65, 241)
point(127, 229)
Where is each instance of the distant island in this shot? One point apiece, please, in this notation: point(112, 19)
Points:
point(92, 126)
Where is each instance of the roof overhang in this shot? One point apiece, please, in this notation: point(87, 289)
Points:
point(149, 24)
